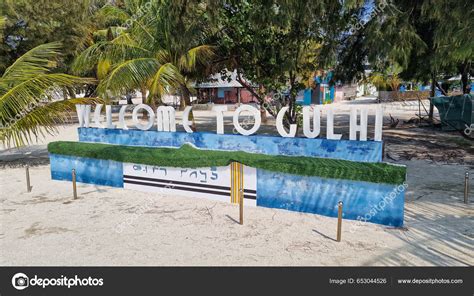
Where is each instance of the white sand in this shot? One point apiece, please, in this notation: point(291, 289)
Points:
point(108, 226)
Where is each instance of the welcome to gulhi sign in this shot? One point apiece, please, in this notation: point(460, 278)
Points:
point(165, 118)
point(304, 174)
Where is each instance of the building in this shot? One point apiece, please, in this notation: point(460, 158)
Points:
point(223, 91)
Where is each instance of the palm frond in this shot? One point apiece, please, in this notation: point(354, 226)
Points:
point(3, 23)
point(27, 94)
point(37, 61)
point(124, 47)
point(39, 121)
point(129, 75)
point(89, 58)
point(199, 55)
point(116, 51)
point(168, 76)
point(114, 13)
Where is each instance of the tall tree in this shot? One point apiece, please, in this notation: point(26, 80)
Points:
point(429, 39)
point(276, 45)
point(31, 23)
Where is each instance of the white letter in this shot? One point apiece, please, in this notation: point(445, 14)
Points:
point(166, 120)
point(97, 110)
point(279, 124)
point(330, 126)
point(108, 116)
point(151, 118)
point(354, 127)
point(186, 122)
point(122, 117)
point(220, 118)
point(378, 123)
point(83, 113)
point(256, 114)
point(307, 122)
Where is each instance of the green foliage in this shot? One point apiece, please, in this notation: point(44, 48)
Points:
point(189, 157)
point(387, 80)
point(3, 22)
point(159, 49)
point(428, 39)
point(28, 89)
point(31, 23)
point(277, 45)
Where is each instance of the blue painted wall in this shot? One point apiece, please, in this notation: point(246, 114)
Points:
point(88, 170)
point(368, 151)
point(274, 190)
point(316, 195)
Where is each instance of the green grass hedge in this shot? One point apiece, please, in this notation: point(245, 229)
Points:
point(190, 157)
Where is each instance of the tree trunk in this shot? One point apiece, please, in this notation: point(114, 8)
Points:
point(261, 99)
point(292, 100)
point(432, 94)
point(464, 69)
point(185, 101)
point(143, 91)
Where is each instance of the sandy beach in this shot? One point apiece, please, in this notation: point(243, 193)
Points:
point(108, 226)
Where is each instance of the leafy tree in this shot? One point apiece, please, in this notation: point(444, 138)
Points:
point(31, 23)
point(28, 96)
point(429, 39)
point(277, 45)
point(453, 35)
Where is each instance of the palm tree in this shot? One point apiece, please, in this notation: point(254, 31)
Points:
point(28, 92)
point(388, 79)
point(158, 53)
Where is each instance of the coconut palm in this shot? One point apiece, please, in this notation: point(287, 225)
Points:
point(29, 92)
point(388, 79)
point(158, 53)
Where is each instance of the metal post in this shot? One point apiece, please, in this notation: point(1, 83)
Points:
point(74, 190)
point(339, 220)
point(241, 206)
point(466, 187)
point(28, 183)
point(383, 150)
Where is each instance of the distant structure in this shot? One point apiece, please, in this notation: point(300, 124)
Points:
point(227, 91)
point(321, 92)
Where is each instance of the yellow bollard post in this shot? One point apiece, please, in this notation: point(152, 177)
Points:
point(339, 221)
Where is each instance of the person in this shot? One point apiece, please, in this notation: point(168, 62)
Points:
point(129, 99)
